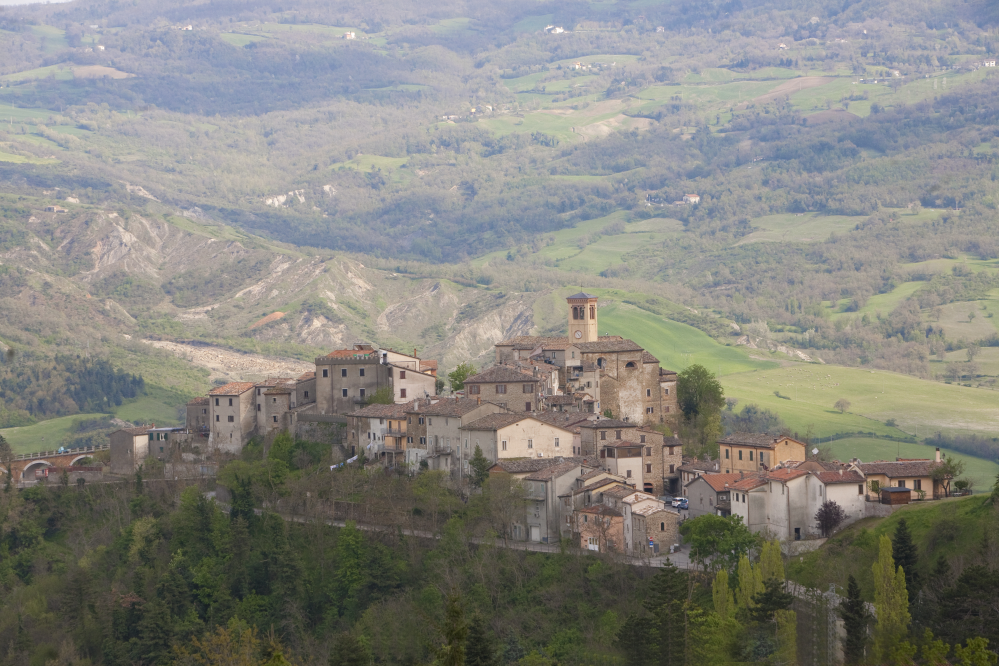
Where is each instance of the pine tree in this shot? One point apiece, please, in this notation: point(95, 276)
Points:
point(904, 554)
point(772, 599)
point(891, 603)
point(480, 649)
point(666, 602)
point(855, 616)
point(451, 651)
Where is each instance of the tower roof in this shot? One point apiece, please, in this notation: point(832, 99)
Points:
point(581, 294)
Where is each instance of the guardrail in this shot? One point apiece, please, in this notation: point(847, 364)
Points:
point(62, 452)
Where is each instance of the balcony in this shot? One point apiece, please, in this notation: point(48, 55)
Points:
point(395, 433)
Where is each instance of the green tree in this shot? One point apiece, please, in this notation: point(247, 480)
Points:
point(349, 650)
point(905, 555)
point(750, 583)
point(480, 467)
point(453, 632)
point(842, 405)
point(6, 457)
point(480, 649)
point(771, 562)
point(698, 392)
point(786, 633)
point(383, 396)
point(975, 653)
point(458, 376)
point(855, 616)
point(282, 448)
point(717, 541)
point(891, 603)
point(667, 603)
point(773, 598)
point(721, 595)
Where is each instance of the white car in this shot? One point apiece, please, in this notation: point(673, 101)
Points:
point(679, 500)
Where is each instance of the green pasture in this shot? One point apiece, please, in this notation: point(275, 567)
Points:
point(59, 72)
point(676, 345)
point(10, 113)
point(370, 163)
point(919, 406)
point(533, 23)
point(987, 361)
point(957, 323)
point(55, 38)
point(883, 303)
point(814, 227)
point(43, 436)
point(241, 39)
point(869, 449)
point(24, 159)
point(160, 406)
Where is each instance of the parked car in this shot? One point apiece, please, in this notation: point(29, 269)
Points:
point(676, 501)
point(667, 498)
point(682, 504)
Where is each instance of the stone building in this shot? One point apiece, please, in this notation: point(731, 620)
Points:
point(600, 528)
point(434, 425)
point(197, 417)
point(517, 435)
point(753, 452)
point(619, 374)
point(129, 448)
point(507, 386)
point(347, 378)
point(232, 416)
point(380, 433)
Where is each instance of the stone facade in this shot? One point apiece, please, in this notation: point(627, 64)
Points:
point(512, 435)
point(129, 448)
point(197, 416)
point(232, 416)
point(435, 425)
point(507, 386)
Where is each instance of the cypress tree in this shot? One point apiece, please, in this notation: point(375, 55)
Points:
point(903, 551)
point(855, 618)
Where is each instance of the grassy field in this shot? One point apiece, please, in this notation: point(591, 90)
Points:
point(43, 436)
point(958, 325)
point(868, 449)
point(883, 303)
point(158, 406)
point(813, 227)
point(58, 72)
point(676, 345)
point(919, 406)
point(23, 159)
point(951, 527)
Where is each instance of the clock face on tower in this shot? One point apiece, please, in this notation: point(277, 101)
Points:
point(579, 334)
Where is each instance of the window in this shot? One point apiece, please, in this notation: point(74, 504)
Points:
point(648, 469)
point(402, 374)
point(275, 418)
point(917, 484)
point(501, 388)
point(860, 489)
point(901, 484)
point(617, 434)
point(527, 406)
point(629, 474)
point(258, 407)
point(750, 455)
point(556, 442)
point(662, 527)
point(216, 418)
point(274, 400)
point(473, 389)
point(258, 391)
point(343, 372)
point(430, 421)
point(726, 454)
point(530, 443)
point(593, 312)
point(603, 434)
point(326, 372)
point(344, 392)
point(230, 402)
point(629, 364)
point(504, 445)
point(649, 410)
point(409, 440)
point(648, 449)
point(528, 388)
point(306, 394)
point(667, 409)
point(420, 420)
point(574, 354)
point(672, 469)
point(361, 393)
point(740, 455)
point(648, 393)
point(641, 440)
point(232, 419)
point(402, 393)
point(671, 450)
point(204, 411)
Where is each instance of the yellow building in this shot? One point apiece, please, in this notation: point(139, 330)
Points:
point(752, 452)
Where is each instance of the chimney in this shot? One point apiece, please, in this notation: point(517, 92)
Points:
point(742, 474)
point(841, 471)
point(414, 353)
point(478, 400)
point(937, 456)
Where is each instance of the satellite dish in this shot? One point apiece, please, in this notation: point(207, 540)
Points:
point(815, 451)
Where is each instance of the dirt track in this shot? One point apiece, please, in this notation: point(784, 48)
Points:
point(235, 366)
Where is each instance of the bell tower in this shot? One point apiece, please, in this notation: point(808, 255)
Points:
point(582, 317)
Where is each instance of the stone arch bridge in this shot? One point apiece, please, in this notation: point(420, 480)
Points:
point(25, 465)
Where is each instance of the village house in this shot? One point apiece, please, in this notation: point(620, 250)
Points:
point(571, 421)
point(232, 416)
point(597, 433)
point(165, 443)
point(752, 452)
point(709, 494)
point(989, 63)
point(691, 198)
point(692, 469)
point(197, 416)
point(505, 385)
point(346, 378)
point(590, 488)
point(618, 373)
point(260, 388)
point(379, 432)
point(434, 425)
point(513, 435)
point(634, 507)
point(129, 448)
point(600, 528)
point(919, 476)
point(544, 480)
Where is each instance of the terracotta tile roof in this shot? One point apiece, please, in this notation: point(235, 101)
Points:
point(281, 389)
point(717, 481)
point(501, 373)
point(454, 407)
point(557, 470)
point(664, 372)
point(651, 509)
point(754, 439)
point(522, 465)
point(601, 510)
point(848, 476)
point(559, 399)
point(895, 469)
point(395, 411)
point(273, 381)
point(748, 483)
point(648, 358)
point(567, 420)
point(142, 430)
point(532, 341)
point(200, 400)
point(429, 364)
point(306, 376)
point(502, 420)
point(233, 388)
point(609, 423)
point(352, 353)
point(620, 492)
point(785, 475)
point(602, 345)
point(611, 480)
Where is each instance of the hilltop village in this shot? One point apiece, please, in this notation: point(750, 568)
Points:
point(582, 421)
